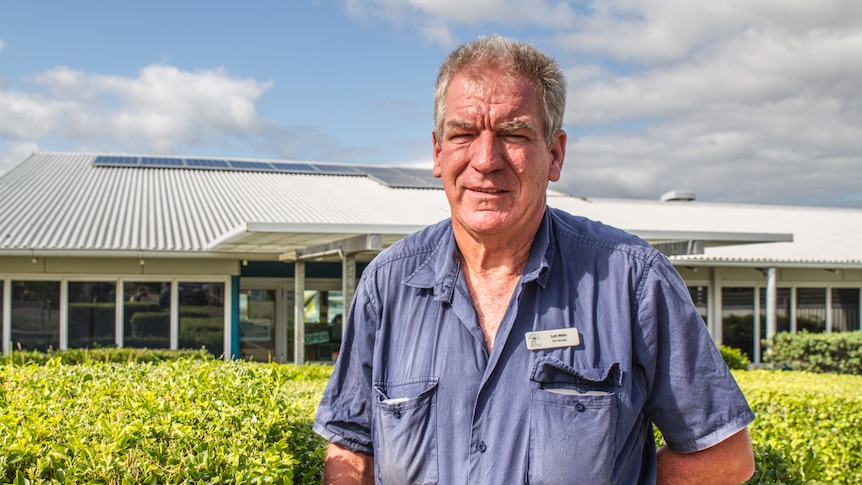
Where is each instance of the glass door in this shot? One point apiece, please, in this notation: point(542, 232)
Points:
point(266, 320)
point(266, 314)
point(324, 312)
point(257, 312)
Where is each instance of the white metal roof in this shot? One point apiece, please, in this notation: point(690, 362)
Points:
point(824, 237)
point(62, 204)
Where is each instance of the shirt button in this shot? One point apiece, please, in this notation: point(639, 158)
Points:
point(580, 407)
point(397, 414)
point(482, 446)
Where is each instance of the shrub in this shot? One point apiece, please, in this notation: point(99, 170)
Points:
point(104, 355)
point(839, 352)
point(137, 415)
point(734, 358)
point(808, 427)
point(186, 420)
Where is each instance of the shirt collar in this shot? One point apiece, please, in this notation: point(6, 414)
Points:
point(441, 268)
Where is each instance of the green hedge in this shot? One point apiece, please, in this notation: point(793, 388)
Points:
point(738, 330)
point(808, 427)
point(104, 355)
point(142, 416)
point(734, 358)
point(838, 352)
point(187, 420)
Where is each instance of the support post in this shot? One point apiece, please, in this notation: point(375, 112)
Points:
point(771, 303)
point(348, 285)
point(299, 313)
point(757, 321)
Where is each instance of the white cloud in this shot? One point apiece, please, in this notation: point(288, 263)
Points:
point(738, 100)
point(769, 113)
point(160, 109)
point(433, 19)
point(754, 68)
point(15, 152)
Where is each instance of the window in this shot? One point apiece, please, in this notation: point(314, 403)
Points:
point(201, 316)
point(92, 314)
point(738, 319)
point(845, 309)
point(811, 309)
point(782, 310)
point(324, 312)
point(700, 298)
point(257, 315)
point(36, 315)
point(145, 323)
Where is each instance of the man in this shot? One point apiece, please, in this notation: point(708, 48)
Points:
point(515, 343)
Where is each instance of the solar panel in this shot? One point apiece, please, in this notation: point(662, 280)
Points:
point(161, 162)
point(294, 167)
point(373, 171)
point(206, 163)
point(404, 177)
point(394, 177)
point(424, 176)
point(237, 165)
point(337, 169)
point(115, 160)
point(389, 176)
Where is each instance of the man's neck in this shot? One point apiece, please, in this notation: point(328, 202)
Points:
point(493, 261)
point(495, 255)
point(491, 273)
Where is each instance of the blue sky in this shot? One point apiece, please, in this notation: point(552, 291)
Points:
point(738, 101)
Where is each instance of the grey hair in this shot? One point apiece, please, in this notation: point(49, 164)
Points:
point(515, 57)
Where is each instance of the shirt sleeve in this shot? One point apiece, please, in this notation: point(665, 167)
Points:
point(692, 397)
point(344, 414)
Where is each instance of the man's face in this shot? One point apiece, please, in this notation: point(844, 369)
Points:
point(492, 155)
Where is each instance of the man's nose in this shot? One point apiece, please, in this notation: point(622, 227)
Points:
point(487, 152)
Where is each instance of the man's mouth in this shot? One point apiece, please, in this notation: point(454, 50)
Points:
point(489, 191)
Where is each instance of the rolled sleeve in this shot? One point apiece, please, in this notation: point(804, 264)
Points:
point(692, 397)
point(344, 414)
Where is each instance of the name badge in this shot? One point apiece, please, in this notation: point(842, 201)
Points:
point(552, 339)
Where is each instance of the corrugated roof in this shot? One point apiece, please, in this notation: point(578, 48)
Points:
point(63, 203)
point(820, 236)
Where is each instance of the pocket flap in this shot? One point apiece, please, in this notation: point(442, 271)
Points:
point(406, 390)
point(549, 370)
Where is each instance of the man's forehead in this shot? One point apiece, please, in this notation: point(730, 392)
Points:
point(469, 94)
point(484, 82)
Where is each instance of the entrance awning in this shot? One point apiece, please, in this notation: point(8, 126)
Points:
point(280, 238)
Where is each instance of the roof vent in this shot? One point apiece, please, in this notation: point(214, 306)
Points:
point(677, 196)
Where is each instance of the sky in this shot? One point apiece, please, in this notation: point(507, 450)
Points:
point(740, 101)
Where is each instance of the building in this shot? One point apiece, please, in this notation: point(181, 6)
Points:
point(190, 252)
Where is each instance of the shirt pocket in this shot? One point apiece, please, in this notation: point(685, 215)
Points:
point(405, 429)
point(573, 419)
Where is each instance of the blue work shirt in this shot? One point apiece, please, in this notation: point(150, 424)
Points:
point(415, 386)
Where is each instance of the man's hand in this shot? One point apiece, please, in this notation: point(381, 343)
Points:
point(344, 467)
point(728, 462)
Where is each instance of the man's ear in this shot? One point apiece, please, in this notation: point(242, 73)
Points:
point(558, 153)
point(438, 171)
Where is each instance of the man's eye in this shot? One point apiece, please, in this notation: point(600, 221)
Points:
point(460, 137)
point(516, 138)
